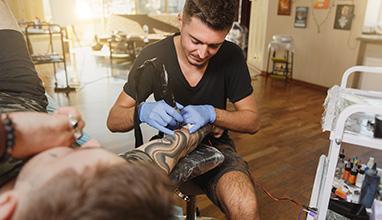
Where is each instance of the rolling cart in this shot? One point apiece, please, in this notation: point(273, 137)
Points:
point(346, 111)
point(51, 57)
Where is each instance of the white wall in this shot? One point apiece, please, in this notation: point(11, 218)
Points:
point(321, 57)
point(373, 57)
point(26, 10)
point(257, 35)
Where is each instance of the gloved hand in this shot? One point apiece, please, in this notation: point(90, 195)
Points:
point(173, 124)
point(159, 115)
point(198, 116)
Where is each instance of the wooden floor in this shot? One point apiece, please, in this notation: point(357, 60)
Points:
point(283, 155)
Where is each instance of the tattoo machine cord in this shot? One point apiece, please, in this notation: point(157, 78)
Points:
point(304, 208)
point(310, 210)
point(161, 75)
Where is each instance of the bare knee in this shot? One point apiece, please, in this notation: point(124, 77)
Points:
point(243, 208)
point(237, 195)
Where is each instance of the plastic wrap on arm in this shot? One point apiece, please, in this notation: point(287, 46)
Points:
point(203, 159)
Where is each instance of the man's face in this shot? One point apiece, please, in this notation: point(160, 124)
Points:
point(48, 164)
point(345, 11)
point(199, 42)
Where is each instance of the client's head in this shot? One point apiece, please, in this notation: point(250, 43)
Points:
point(105, 190)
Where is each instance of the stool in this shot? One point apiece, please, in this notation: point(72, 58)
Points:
point(281, 53)
point(190, 191)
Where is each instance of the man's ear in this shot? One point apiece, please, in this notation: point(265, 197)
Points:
point(180, 19)
point(8, 204)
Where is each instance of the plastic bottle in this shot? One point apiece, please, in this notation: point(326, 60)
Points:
point(360, 177)
point(353, 175)
point(370, 163)
point(369, 187)
point(355, 161)
point(340, 165)
point(145, 29)
point(346, 174)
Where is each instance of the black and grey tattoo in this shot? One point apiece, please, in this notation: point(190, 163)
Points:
point(166, 152)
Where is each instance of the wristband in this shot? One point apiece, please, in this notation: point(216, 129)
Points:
point(9, 138)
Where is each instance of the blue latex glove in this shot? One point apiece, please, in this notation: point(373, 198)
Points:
point(159, 115)
point(198, 116)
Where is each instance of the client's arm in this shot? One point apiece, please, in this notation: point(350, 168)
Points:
point(166, 152)
point(36, 132)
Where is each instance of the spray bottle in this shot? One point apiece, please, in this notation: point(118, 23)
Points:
point(369, 187)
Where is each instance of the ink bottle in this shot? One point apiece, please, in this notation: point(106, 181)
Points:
point(360, 177)
point(340, 165)
point(353, 175)
point(346, 174)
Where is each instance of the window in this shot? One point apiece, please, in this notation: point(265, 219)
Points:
point(90, 9)
point(96, 9)
point(373, 17)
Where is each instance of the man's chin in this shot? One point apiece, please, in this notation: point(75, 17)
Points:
point(197, 63)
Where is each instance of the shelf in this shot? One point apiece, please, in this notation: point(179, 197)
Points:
point(357, 127)
point(47, 62)
point(280, 60)
point(43, 32)
point(47, 58)
point(361, 140)
point(64, 89)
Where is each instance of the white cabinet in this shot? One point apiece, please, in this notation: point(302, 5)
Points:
point(340, 133)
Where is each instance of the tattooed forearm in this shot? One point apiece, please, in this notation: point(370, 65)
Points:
point(166, 152)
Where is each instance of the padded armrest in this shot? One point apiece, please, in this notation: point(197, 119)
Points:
point(203, 159)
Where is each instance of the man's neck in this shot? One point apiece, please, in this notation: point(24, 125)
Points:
point(8, 186)
point(192, 73)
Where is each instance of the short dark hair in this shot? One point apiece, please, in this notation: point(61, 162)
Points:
point(217, 14)
point(123, 191)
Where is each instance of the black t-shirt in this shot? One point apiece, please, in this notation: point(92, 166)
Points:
point(20, 88)
point(18, 75)
point(226, 77)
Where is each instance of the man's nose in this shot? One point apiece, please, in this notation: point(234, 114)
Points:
point(203, 51)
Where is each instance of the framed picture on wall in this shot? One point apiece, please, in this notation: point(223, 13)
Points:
point(321, 4)
point(284, 7)
point(344, 17)
point(301, 17)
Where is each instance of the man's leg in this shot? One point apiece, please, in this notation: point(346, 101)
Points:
point(7, 20)
point(236, 194)
point(229, 185)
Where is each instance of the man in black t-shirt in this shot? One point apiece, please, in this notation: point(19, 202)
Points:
point(20, 87)
point(204, 71)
